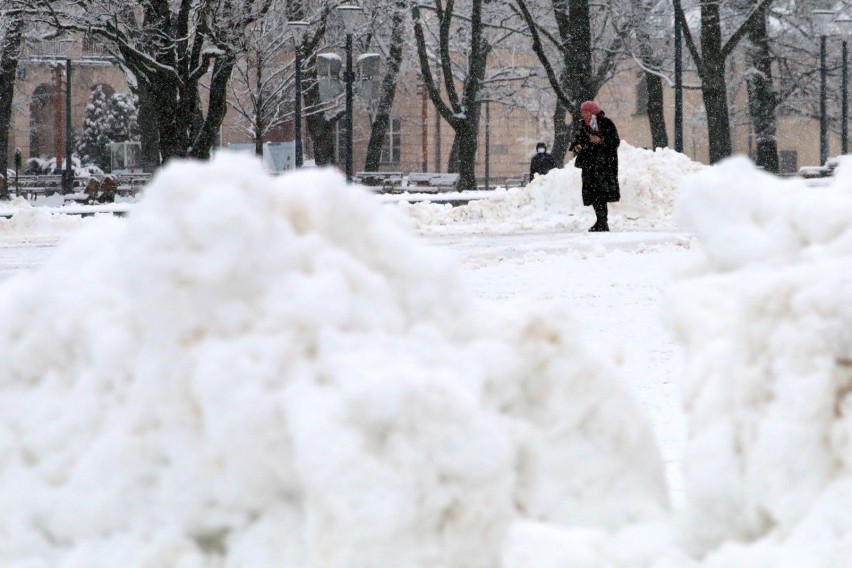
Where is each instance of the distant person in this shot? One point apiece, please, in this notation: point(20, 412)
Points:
point(542, 162)
point(596, 147)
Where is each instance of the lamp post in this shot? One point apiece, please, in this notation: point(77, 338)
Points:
point(298, 28)
point(822, 21)
point(844, 27)
point(68, 176)
point(678, 74)
point(487, 145)
point(349, 15)
point(17, 168)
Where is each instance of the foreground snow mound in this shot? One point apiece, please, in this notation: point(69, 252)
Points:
point(767, 325)
point(649, 180)
point(768, 332)
point(266, 372)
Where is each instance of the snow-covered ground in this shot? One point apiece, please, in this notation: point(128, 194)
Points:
point(258, 372)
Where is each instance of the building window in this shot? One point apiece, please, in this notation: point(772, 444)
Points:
point(642, 95)
point(788, 162)
point(393, 142)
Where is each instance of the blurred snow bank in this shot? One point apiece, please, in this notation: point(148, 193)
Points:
point(24, 219)
point(649, 180)
point(263, 372)
point(766, 321)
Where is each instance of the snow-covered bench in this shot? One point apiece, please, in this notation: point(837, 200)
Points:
point(811, 172)
point(427, 181)
point(107, 189)
point(379, 179)
point(31, 186)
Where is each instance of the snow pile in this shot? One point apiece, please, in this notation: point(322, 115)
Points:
point(19, 217)
point(649, 181)
point(768, 331)
point(767, 325)
point(250, 371)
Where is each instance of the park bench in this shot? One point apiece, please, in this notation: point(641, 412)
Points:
point(131, 184)
point(384, 180)
point(84, 188)
point(107, 189)
point(505, 181)
point(31, 186)
point(432, 182)
point(813, 172)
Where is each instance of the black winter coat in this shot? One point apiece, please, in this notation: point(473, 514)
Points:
point(599, 162)
point(541, 164)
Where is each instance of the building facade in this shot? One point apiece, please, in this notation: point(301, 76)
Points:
point(417, 140)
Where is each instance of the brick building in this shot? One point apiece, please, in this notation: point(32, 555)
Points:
point(416, 141)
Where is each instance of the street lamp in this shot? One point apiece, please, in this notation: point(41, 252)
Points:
point(349, 15)
point(68, 175)
point(298, 28)
point(844, 27)
point(678, 45)
point(17, 169)
point(822, 20)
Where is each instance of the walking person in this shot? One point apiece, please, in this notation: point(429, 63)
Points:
point(542, 162)
point(596, 148)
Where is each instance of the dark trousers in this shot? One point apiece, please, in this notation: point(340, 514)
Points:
point(601, 213)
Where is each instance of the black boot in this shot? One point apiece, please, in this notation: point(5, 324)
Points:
point(601, 212)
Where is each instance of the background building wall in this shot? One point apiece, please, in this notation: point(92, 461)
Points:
point(42, 73)
point(514, 130)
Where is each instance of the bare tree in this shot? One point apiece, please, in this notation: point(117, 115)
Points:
point(710, 61)
point(643, 27)
point(393, 62)
point(11, 36)
point(581, 75)
point(322, 116)
point(166, 48)
point(762, 98)
point(262, 84)
point(461, 110)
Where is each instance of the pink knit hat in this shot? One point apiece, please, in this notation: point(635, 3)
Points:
point(591, 106)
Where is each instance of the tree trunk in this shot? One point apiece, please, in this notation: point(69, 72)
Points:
point(576, 82)
point(380, 124)
point(321, 128)
point(149, 131)
point(217, 107)
point(258, 108)
point(642, 16)
point(656, 111)
point(322, 132)
point(711, 68)
point(258, 139)
point(762, 100)
point(463, 156)
point(714, 87)
point(462, 110)
point(714, 90)
point(576, 33)
point(561, 134)
point(9, 52)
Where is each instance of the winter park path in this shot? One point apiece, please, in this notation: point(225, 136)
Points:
point(614, 285)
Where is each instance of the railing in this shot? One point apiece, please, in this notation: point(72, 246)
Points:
point(94, 49)
point(53, 48)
